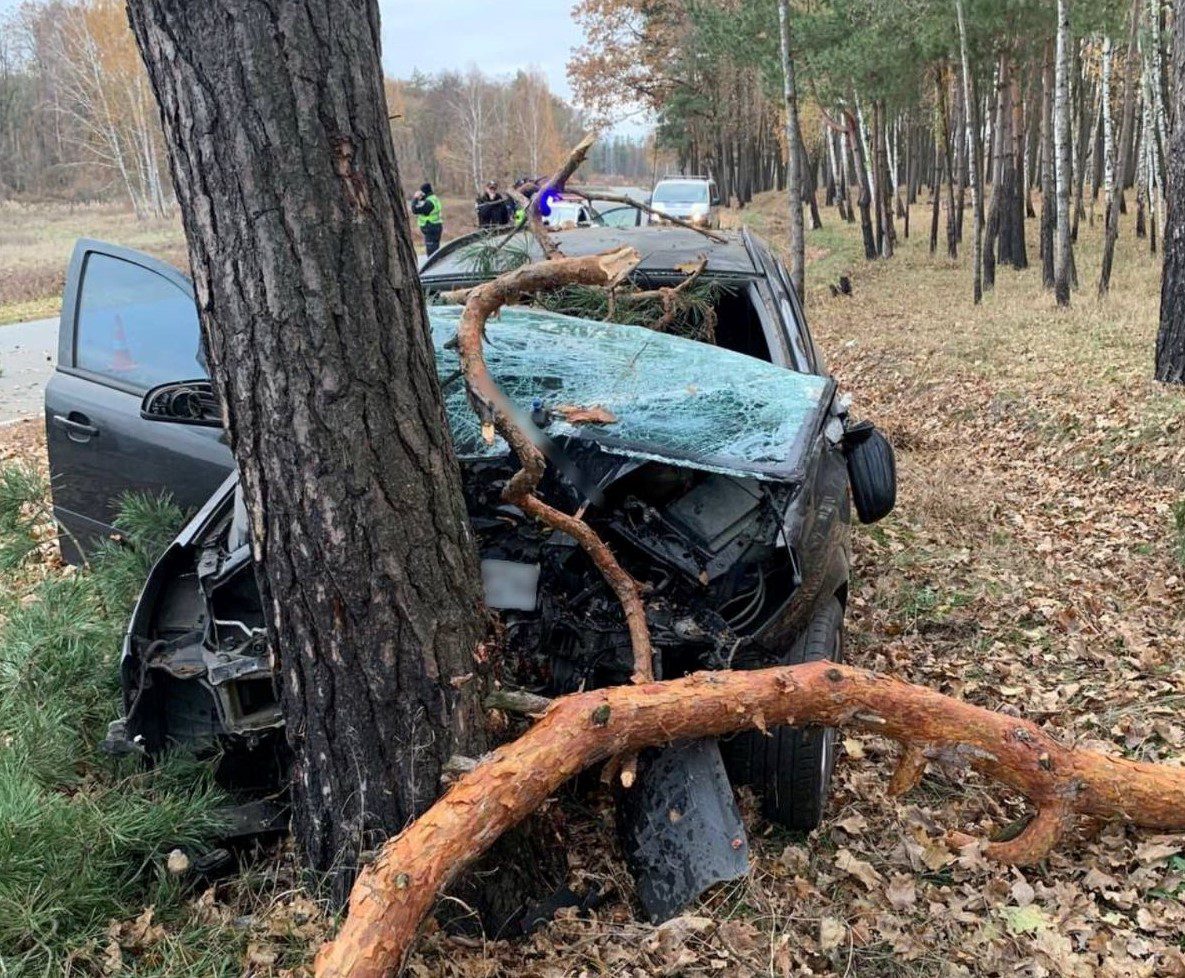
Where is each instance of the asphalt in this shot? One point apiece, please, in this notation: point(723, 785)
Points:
point(27, 355)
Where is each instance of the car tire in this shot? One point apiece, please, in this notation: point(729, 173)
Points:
point(790, 767)
point(872, 472)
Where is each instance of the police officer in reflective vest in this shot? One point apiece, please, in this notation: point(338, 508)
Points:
point(426, 207)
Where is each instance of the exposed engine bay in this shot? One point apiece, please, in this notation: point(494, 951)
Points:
point(712, 549)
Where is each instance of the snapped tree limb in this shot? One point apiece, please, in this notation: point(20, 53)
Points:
point(531, 218)
point(395, 892)
point(497, 414)
point(620, 199)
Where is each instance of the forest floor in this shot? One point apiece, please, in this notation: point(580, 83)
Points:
point(36, 240)
point(1035, 564)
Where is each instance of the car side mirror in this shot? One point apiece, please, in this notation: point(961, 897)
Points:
point(715, 201)
point(184, 402)
point(872, 471)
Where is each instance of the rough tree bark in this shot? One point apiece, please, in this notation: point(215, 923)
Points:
point(864, 200)
point(975, 160)
point(952, 235)
point(397, 890)
point(1063, 257)
point(1048, 169)
point(793, 155)
point(1170, 340)
point(317, 338)
point(1125, 136)
point(1000, 184)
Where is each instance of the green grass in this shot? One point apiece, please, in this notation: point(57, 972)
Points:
point(82, 836)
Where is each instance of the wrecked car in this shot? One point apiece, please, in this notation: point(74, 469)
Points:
point(722, 471)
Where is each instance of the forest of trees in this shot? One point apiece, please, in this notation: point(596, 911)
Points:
point(78, 121)
point(886, 88)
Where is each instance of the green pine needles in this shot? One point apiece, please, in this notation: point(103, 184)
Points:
point(83, 836)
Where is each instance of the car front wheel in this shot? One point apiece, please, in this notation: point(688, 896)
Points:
point(790, 767)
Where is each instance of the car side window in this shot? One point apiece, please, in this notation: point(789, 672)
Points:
point(134, 326)
point(795, 317)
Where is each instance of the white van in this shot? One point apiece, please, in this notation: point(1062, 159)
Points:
point(693, 199)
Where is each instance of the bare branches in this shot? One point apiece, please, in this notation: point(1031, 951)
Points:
point(619, 199)
point(397, 890)
point(497, 414)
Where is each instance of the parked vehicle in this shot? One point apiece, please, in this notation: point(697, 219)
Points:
point(564, 213)
point(613, 213)
point(693, 199)
point(723, 483)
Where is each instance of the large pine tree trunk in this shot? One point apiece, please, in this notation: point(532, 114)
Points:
point(1170, 342)
point(316, 334)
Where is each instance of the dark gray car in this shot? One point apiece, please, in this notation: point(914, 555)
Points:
point(128, 324)
point(723, 482)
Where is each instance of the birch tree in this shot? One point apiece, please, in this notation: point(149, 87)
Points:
point(1125, 137)
point(1063, 257)
point(793, 155)
point(975, 160)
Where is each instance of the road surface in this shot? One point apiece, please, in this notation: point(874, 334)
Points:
point(27, 355)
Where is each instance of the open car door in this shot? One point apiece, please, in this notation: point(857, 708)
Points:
point(128, 323)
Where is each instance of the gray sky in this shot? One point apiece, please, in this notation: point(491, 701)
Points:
point(435, 35)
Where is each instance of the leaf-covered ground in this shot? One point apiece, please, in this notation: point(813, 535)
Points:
point(1034, 564)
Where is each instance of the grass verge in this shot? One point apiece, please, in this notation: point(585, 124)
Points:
point(83, 837)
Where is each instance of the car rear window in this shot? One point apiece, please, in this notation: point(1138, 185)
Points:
point(134, 326)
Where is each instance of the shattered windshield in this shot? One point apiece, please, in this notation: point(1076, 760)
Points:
point(668, 398)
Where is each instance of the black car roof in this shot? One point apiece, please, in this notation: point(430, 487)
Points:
point(663, 249)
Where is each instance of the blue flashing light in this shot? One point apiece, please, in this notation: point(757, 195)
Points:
point(546, 198)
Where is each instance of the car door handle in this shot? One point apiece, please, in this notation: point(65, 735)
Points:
point(77, 426)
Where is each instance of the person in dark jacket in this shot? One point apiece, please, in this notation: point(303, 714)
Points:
point(494, 208)
point(429, 216)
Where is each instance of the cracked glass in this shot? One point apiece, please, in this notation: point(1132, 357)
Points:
point(670, 399)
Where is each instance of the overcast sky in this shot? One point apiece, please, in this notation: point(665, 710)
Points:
point(436, 35)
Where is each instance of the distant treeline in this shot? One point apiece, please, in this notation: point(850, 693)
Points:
point(78, 121)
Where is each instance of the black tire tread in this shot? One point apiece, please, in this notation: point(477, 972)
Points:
point(784, 765)
point(872, 469)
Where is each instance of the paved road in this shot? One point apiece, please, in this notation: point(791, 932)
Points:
point(27, 355)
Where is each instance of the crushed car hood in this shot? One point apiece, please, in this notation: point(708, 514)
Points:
point(671, 399)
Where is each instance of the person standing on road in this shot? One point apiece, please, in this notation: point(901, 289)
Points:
point(494, 208)
point(428, 211)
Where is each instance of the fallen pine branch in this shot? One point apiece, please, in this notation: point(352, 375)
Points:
point(497, 414)
point(395, 892)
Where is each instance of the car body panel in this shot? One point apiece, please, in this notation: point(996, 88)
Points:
point(99, 447)
point(729, 499)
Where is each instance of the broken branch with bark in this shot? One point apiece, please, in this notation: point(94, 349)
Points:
point(531, 217)
point(619, 199)
point(395, 892)
point(498, 414)
point(668, 295)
